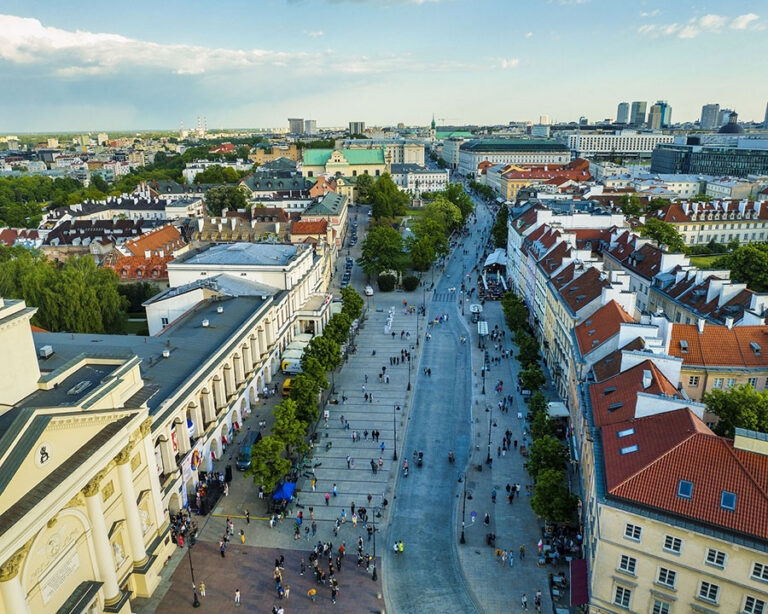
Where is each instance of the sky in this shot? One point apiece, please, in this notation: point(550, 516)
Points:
point(87, 65)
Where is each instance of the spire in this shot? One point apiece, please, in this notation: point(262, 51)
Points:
point(433, 121)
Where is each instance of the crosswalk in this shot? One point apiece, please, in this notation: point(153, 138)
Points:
point(444, 297)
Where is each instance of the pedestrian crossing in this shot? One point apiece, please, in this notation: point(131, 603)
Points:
point(444, 297)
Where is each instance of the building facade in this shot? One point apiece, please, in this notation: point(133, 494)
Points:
point(510, 151)
point(416, 179)
point(344, 162)
point(718, 160)
point(626, 142)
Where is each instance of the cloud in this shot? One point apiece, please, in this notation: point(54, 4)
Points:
point(742, 22)
point(710, 23)
point(652, 13)
point(506, 63)
point(528, 34)
point(315, 33)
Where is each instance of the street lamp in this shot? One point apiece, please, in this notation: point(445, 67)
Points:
point(462, 540)
point(195, 601)
point(394, 424)
point(409, 371)
point(490, 418)
point(483, 373)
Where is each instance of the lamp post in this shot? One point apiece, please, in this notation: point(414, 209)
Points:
point(195, 601)
point(394, 424)
point(490, 418)
point(409, 371)
point(462, 540)
point(483, 374)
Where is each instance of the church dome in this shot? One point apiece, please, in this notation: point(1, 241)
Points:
point(732, 127)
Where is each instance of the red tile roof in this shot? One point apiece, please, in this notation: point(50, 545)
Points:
point(674, 213)
point(583, 290)
point(614, 399)
point(600, 326)
point(611, 364)
point(303, 227)
point(166, 238)
point(677, 446)
point(720, 346)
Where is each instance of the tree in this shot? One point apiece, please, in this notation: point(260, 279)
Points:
point(422, 253)
point(311, 366)
point(748, 264)
point(551, 498)
point(664, 234)
point(326, 350)
point(630, 205)
point(225, 197)
point(546, 453)
point(739, 407)
point(410, 283)
point(287, 427)
point(532, 378)
point(528, 351)
point(541, 425)
point(304, 390)
point(441, 162)
point(267, 466)
point(136, 293)
point(515, 311)
point(382, 250)
point(538, 404)
point(386, 282)
point(98, 182)
point(499, 229)
point(444, 212)
point(351, 303)
point(386, 199)
point(338, 328)
point(456, 194)
point(364, 184)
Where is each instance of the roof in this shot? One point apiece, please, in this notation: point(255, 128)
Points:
point(512, 145)
point(670, 448)
point(614, 399)
point(610, 365)
point(645, 261)
point(330, 204)
point(305, 227)
point(600, 326)
point(739, 346)
point(166, 238)
point(320, 157)
point(583, 290)
point(241, 254)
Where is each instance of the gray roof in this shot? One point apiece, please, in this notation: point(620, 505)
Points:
point(225, 284)
point(330, 204)
point(488, 145)
point(242, 254)
point(190, 343)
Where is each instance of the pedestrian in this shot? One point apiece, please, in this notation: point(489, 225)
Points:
point(370, 497)
point(313, 482)
point(311, 593)
point(202, 589)
point(327, 499)
point(311, 513)
point(247, 517)
point(242, 536)
point(522, 552)
point(237, 597)
point(335, 491)
point(487, 519)
point(349, 458)
point(365, 435)
point(524, 601)
point(302, 568)
point(314, 528)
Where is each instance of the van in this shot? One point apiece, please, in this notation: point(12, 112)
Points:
point(291, 365)
point(244, 451)
point(287, 387)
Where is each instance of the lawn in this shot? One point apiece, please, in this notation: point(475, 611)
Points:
point(704, 262)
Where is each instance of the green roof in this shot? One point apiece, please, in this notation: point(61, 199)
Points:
point(453, 133)
point(319, 157)
point(330, 204)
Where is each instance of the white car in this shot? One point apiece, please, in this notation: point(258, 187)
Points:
point(368, 291)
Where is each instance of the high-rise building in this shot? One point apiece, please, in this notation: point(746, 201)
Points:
point(310, 126)
point(722, 117)
point(765, 121)
point(637, 113)
point(544, 120)
point(622, 114)
point(295, 125)
point(356, 127)
point(666, 113)
point(709, 114)
point(655, 116)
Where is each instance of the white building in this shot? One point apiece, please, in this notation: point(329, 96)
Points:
point(451, 151)
point(626, 142)
point(731, 187)
point(396, 151)
point(416, 179)
point(193, 168)
point(510, 151)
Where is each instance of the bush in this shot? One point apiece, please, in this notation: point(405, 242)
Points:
point(410, 283)
point(386, 282)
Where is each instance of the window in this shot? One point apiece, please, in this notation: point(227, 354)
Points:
point(667, 577)
point(629, 449)
point(622, 597)
point(708, 591)
point(164, 321)
point(628, 564)
point(760, 572)
point(684, 489)
point(693, 380)
point(752, 605)
point(730, 382)
point(632, 531)
point(660, 607)
point(728, 500)
point(718, 383)
point(626, 432)
point(752, 382)
point(673, 544)
point(716, 558)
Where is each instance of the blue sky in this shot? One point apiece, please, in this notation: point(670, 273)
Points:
point(86, 65)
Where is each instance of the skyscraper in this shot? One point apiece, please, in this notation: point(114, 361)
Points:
point(722, 117)
point(622, 114)
point(310, 126)
point(356, 127)
point(765, 122)
point(665, 114)
point(709, 116)
point(655, 116)
point(637, 113)
point(295, 125)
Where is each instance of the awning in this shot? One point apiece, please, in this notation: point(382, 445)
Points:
point(579, 582)
point(499, 256)
point(557, 409)
point(482, 328)
point(284, 492)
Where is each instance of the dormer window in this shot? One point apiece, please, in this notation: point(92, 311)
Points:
point(615, 406)
point(684, 489)
point(728, 500)
point(629, 449)
point(683, 346)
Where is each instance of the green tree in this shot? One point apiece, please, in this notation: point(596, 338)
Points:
point(748, 264)
point(312, 367)
point(664, 234)
point(630, 205)
point(267, 466)
point(382, 250)
point(499, 229)
point(99, 183)
point(551, 498)
point(456, 194)
point(441, 162)
point(538, 404)
point(739, 407)
point(528, 351)
point(386, 282)
point(351, 303)
point(326, 350)
point(136, 293)
point(533, 378)
point(546, 453)
point(338, 328)
point(304, 390)
point(386, 199)
point(225, 197)
point(515, 311)
point(422, 253)
point(443, 212)
point(541, 425)
point(364, 183)
point(287, 427)
point(410, 283)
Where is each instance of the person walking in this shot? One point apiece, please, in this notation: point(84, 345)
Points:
point(327, 499)
point(524, 602)
point(335, 491)
point(202, 589)
point(237, 597)
point(522, 552)
point(247, 517)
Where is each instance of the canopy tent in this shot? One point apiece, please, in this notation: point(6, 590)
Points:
point(482, 328)
point(284, 492)
point(557, 409)
point(498, 257)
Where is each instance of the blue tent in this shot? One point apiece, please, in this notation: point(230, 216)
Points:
point(284, 492)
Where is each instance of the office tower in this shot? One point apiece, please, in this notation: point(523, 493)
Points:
point(310, 126)
point(356, 127)
point(654, 116)
point(709, 116)
point(622, 115)
point(765, 121)
point(637, 113)
point(544, 120)
point(664, 112)
point(722, 117)
point(295, 125)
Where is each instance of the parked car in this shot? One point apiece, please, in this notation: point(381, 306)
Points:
point(368, 291)
point(244, 452)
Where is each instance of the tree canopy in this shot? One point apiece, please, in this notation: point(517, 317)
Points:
point(218, 174)
point(443, 212)
point(499, 229)
point(304, 390)
point(287, 427)
point(748, 264)
point(739, 407)
point(382, 250)
point(364, 183)
point(546, 453)
point(326, 350)
point(551, 498)
point(267, 466)
point(351, 303)
point(386, 199)
point(225, 197)
point(664, 234)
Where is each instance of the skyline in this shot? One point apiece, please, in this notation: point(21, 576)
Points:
point(150, 66)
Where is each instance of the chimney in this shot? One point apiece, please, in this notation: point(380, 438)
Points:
point(729, 322)
point(700, 325)
point(647, 379)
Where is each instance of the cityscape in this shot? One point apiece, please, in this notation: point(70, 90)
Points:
point(334, 305)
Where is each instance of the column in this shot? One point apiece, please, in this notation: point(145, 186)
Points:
point(268, 371)
point(128, 496)
point(182, 436)
point(262, 341)
point(238, 370)
point(209, 407)
point(11, 591)
point(166, 453)
point(154, 478)
point(219, 396)
point(229, 381)
point(247, 358)
point(270, 326)
point(197, 419)
point(255, 351)
point(105, 561)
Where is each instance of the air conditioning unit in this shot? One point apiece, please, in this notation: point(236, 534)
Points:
point(219, 309)
point(206, 323)
point(46, 351)
point(166, 353)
